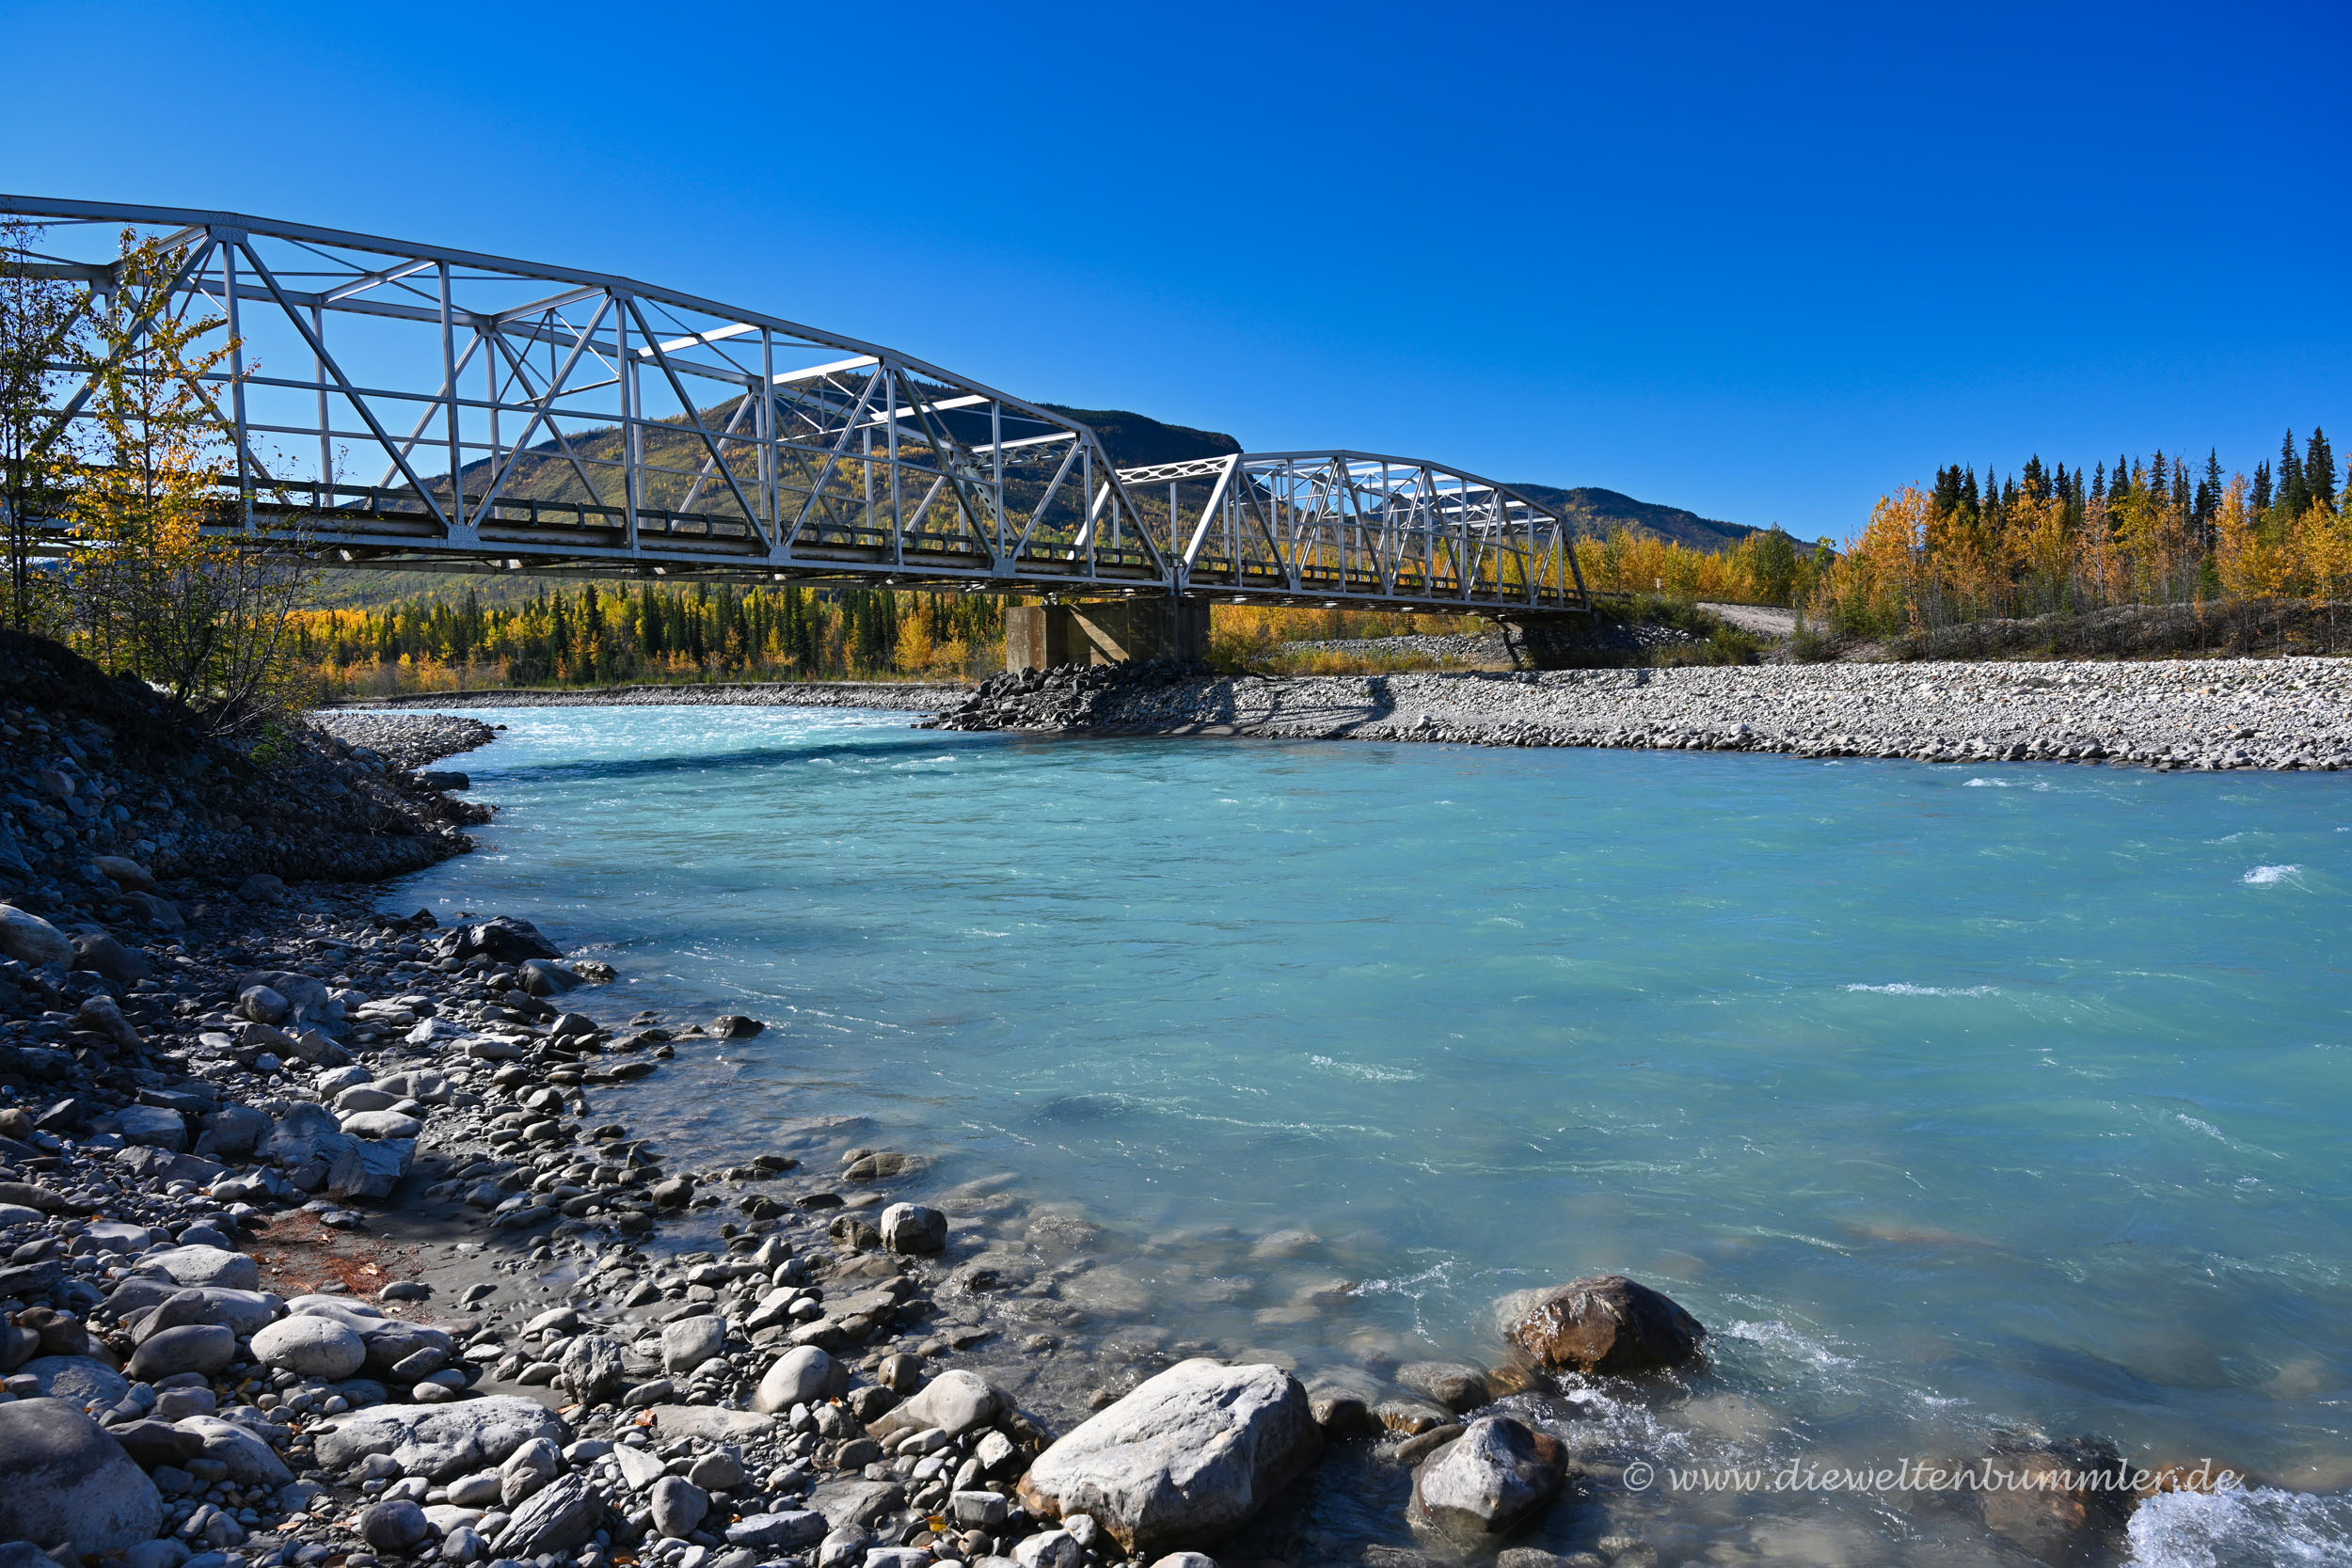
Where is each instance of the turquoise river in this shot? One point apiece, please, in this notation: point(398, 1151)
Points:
point(1951, 1100)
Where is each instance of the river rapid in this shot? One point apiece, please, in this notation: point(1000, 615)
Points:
point(1952, 1100)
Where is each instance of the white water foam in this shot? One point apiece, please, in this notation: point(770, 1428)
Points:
point(2263, 876)
point(1365, 1071)
point(1904, 989)
point(1777, 1335)
point(2241, 1530)
point(1981, 783)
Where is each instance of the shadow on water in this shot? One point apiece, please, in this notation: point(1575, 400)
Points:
point(764, 759)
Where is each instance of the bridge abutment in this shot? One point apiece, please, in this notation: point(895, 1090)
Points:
point(1116, 631)
point(1548, 642)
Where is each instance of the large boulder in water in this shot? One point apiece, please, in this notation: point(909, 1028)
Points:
point(1184, 1460)
point(1486, 1484)
point(505, 939)
point(68, 1480)
point(1601, 1323)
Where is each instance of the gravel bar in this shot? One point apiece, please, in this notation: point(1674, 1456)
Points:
point(407, 739)
point(2289, 713)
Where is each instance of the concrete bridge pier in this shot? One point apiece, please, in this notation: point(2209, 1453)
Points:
point(1549, 640)
point(1114, 631)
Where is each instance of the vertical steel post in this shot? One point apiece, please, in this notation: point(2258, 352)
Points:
point(236, 374)
point(326, 450)
point(624, 371)
point(449, 390)
point(897, 495)
point(765, 429)
point(490, 394)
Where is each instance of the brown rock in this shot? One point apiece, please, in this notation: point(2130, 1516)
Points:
point(2060, 1503)
point(1601, 1323)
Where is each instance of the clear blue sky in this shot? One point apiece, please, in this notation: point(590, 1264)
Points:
point(1759, 261)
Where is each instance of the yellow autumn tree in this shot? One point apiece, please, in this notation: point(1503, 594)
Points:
point(2249, 565)
point(201, 616)
point(1872, 591)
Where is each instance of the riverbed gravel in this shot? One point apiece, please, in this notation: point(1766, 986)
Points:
point(2289, 713)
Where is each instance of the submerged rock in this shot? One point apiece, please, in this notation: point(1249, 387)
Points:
point(1449, 1383)
point(2062, 1503)
point(1601, 1324)
point(1185, 1458)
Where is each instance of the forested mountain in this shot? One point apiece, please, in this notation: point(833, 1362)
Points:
point(1599, 512)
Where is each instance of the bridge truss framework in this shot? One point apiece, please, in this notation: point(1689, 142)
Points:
point(410, 406)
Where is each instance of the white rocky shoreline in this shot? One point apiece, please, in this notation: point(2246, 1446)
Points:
point(2209, 714)
point(323, 1246)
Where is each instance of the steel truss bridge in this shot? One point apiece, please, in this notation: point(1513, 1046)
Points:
point(409, 407)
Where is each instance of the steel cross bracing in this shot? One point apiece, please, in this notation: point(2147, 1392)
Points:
point(402, 406)
point(1358, 527)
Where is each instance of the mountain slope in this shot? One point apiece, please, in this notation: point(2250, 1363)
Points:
point(1599, 513)
point(1137, 440)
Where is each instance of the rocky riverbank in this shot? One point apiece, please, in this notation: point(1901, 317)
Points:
point(326, 1240)
point(319, 1250)
point(898, 696)
point(2293, 713)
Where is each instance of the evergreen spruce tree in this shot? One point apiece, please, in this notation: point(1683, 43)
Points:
point(2319, 469)
point(1946, 498)
point(2262, 488)
point(2292, 495)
